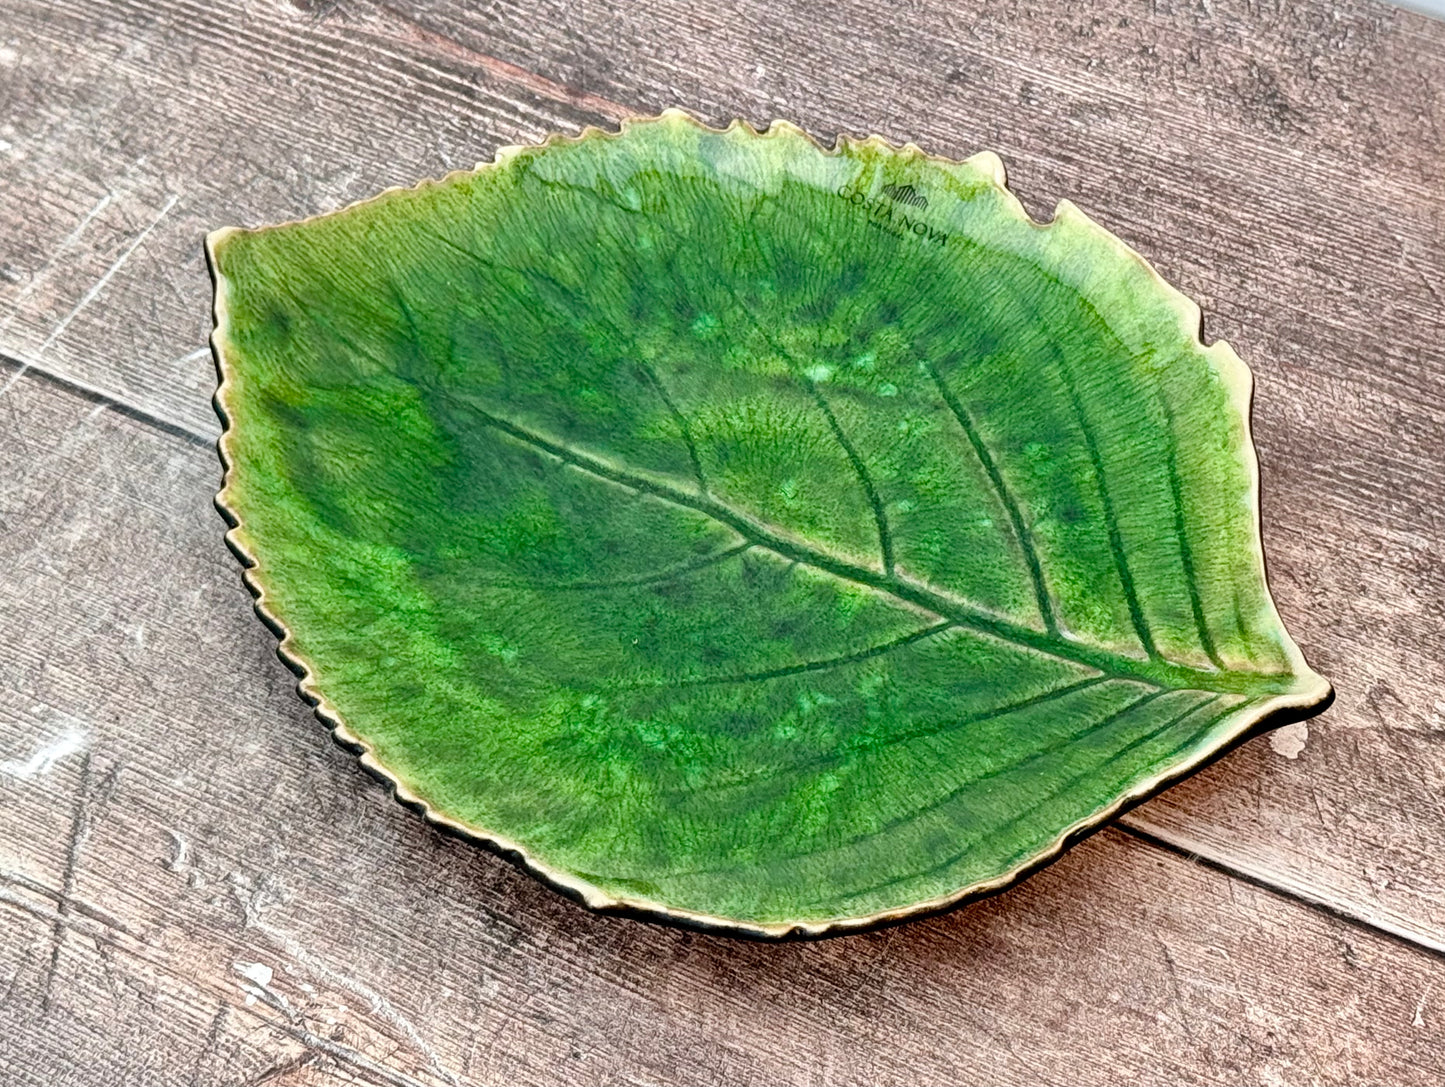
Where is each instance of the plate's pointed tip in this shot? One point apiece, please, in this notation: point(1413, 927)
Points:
point(1317, 692)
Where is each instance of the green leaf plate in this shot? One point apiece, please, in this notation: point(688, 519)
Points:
point(746, 533)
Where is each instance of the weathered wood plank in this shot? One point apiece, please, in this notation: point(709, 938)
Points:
point(196, 886)
point(1282, 166)
point(204, 113)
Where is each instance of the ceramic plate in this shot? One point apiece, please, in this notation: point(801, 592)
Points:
point(743, 532)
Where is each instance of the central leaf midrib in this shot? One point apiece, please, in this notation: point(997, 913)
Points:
point(1158, 672)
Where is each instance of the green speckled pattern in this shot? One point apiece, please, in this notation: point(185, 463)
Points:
point(776, 537)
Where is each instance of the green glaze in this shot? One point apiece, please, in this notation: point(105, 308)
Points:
point(754, 534)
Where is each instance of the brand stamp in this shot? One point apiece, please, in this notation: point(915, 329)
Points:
point(905, 194)
point(896, 209)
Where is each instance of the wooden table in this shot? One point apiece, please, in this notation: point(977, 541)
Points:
point(197, 887)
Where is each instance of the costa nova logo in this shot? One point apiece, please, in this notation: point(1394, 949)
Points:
point(887, 211)
point(905, 194)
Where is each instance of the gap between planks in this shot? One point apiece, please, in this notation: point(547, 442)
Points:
point(43, 374)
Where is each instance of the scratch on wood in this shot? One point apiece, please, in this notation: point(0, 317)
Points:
point(89, 296)
point(120, 406)
point(80, 823)
point(65, 243)
point(46, 757)
point(344, 1054)
point(511, 73)
point(213, 1043)
point(1415, 267)
point(337, 1051)
point(14, 978)
point(1179, 1005)
point(198, 353)
point(255, 896)
point(45, 913)
point(77, 905)
point(275, 1071)
point(258, 977)
point(380, 1006)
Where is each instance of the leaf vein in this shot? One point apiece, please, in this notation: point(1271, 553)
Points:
point(1155, 672)
point(834, 758)
point(1181, 531)
point(1053, 794)
point(865, 478)
point(1111, 518)
point(681, 421)
point(1006, 768)
point(661, 577)
point(806, 666)
point(1005, 496)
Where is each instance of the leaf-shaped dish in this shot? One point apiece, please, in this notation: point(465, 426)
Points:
point(743, 532)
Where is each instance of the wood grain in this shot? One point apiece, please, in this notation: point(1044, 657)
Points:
point(1281, 165)
point(204, 825)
